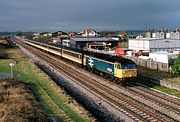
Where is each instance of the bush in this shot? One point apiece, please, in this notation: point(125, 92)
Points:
point(2, 51)
point(176, 66)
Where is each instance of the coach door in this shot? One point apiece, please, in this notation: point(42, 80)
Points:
point(118, 70)
point(115, 69)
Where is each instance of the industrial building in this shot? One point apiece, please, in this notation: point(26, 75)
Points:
point(154, 44)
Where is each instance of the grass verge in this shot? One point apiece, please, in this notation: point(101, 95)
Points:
point(4, 65)
point(159, 75)
point(163, 89)
point(17, 103)
point(55, 102)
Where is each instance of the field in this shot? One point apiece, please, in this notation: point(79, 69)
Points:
point(55, 103)
point(17, 103)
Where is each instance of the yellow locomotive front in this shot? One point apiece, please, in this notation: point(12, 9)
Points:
point(124, 71)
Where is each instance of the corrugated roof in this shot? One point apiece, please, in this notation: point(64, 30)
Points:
point(92, 39)
point(153, 39)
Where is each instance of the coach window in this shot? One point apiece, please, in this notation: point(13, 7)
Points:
point(57, 49)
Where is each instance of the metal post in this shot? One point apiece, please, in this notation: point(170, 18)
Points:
point(11, 65)
point(11, 73)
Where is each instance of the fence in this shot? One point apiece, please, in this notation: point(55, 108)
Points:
point(151, 64)
point(4, 75)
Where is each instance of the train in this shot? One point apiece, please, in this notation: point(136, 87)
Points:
point(117, 68)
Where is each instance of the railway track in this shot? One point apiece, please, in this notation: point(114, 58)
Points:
point(131, 107)
point(163, 100)
point(164, 96)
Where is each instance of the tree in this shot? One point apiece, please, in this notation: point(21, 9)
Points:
point(29, 35)
point(176, 66)
point(123, 33)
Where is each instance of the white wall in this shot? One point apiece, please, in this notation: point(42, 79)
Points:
point(153, 35)
point(139, 44)
point(168, 35)
point(161, 57)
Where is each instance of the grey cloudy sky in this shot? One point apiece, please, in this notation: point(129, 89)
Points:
point(76, 15)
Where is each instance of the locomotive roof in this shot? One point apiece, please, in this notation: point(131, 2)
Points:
point(111, 58)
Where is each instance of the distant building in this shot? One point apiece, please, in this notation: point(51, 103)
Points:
point(163, 34)
point(92, 42)
point(106, 34)
point(136, 33)
point(36, 35)
point(176, 34)
point(72, 34)
point(45, 34)
point(59, 34)
point(89, 33)
point(176, 51)
point(168, 35)
point(55, 40)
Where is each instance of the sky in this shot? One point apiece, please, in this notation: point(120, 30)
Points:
point(77, 15)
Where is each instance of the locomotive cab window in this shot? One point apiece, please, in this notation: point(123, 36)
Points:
point(124, 66)
point(118, 66)
point(129, 66)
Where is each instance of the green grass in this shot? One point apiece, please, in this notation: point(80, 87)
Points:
point(4, 65)
point(124, 44)
point(168, 91)
point(54, 104)
point(159, 75)
point(163, 89)
point(48, 97)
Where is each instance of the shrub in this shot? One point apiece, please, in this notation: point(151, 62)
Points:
point(176, 66)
